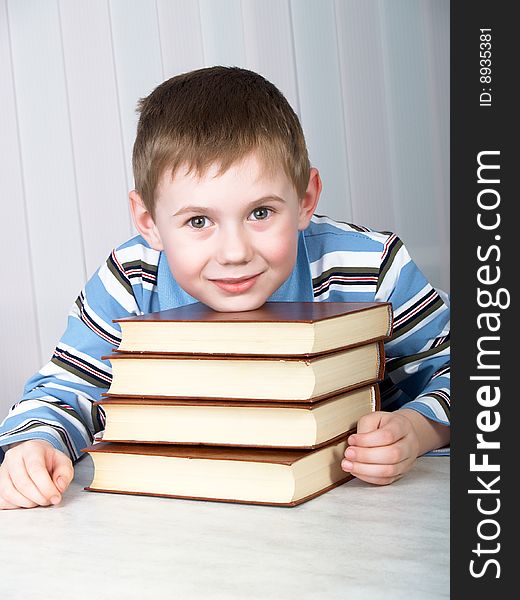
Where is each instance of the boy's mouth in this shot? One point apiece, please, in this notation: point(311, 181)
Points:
point(236, 285)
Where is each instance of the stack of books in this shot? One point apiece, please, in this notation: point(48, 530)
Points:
point(250, 407)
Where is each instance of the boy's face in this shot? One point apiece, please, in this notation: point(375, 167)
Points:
point(231, 240)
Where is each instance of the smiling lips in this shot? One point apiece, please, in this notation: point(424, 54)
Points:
point(237, 285)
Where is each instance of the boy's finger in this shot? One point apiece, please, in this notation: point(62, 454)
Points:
point(364, 470)
point(4, 505)
point(380, 437)
point(389, 455)
point(370, 422)
point(61, 469)
point(62, 477)
point(378, 480)
point(24, 484)
point(387, 432)
point(15, 498)
point(38, 473)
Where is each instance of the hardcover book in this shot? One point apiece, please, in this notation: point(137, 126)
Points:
point(256, 476)
point(263, 378)
point(276, 328)
point(224, 422)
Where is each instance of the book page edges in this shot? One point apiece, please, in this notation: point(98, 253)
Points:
point(271, 400)
point(140, 401)
point(222, 378)
point(347, 477)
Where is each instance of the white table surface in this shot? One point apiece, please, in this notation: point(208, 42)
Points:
point(357, 541)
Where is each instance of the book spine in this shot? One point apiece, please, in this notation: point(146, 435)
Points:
point(376, 397)
point(381, 361)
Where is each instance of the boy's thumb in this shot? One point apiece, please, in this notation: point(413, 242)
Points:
point(63, 474)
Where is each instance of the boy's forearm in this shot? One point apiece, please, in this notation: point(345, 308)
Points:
point(431, 434)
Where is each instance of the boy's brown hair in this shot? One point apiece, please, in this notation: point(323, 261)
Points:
point(216, 115)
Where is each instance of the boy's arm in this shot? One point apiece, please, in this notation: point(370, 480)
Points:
point(57, 402)
point(418, 352)
point(415, 396)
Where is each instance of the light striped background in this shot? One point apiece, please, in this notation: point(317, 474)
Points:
point(369, 79)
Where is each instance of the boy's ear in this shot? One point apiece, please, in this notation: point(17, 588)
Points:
point(310, 200)
point(144, 222)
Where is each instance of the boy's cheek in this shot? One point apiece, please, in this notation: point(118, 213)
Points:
point(283, 249)
point(184, 269)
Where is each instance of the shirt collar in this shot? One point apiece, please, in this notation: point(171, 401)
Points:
point(296, 288)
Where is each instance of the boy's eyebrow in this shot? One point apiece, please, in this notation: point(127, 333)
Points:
point(205, 209)
point(268, 198)
point(191, 209)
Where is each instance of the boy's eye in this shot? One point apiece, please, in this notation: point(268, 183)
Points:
point(197, 222)
point(261, 213)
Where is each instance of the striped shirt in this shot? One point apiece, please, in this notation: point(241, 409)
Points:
point(336, 262)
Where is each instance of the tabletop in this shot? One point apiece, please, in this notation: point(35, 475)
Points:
point(357, 541)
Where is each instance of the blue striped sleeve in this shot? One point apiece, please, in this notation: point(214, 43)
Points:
point(58, 402)
point(418, 352)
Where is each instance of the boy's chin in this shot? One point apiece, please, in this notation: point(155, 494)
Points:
point(235, 304)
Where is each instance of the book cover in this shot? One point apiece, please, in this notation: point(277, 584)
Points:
point(262, 378)
point(244, 475)
point(235, 423)
point(276, 329)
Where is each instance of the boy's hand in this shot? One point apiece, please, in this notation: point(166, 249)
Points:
point(33, 474)
point(386, 444)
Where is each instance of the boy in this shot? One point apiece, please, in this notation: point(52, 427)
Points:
point(224, 203)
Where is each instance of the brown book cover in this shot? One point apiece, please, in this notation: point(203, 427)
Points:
point(264, 455)
point(299, 312)
point(275, 329)
point(231, 402)
point(305, 474)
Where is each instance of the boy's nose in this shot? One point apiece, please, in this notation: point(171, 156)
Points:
point(234, 247)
